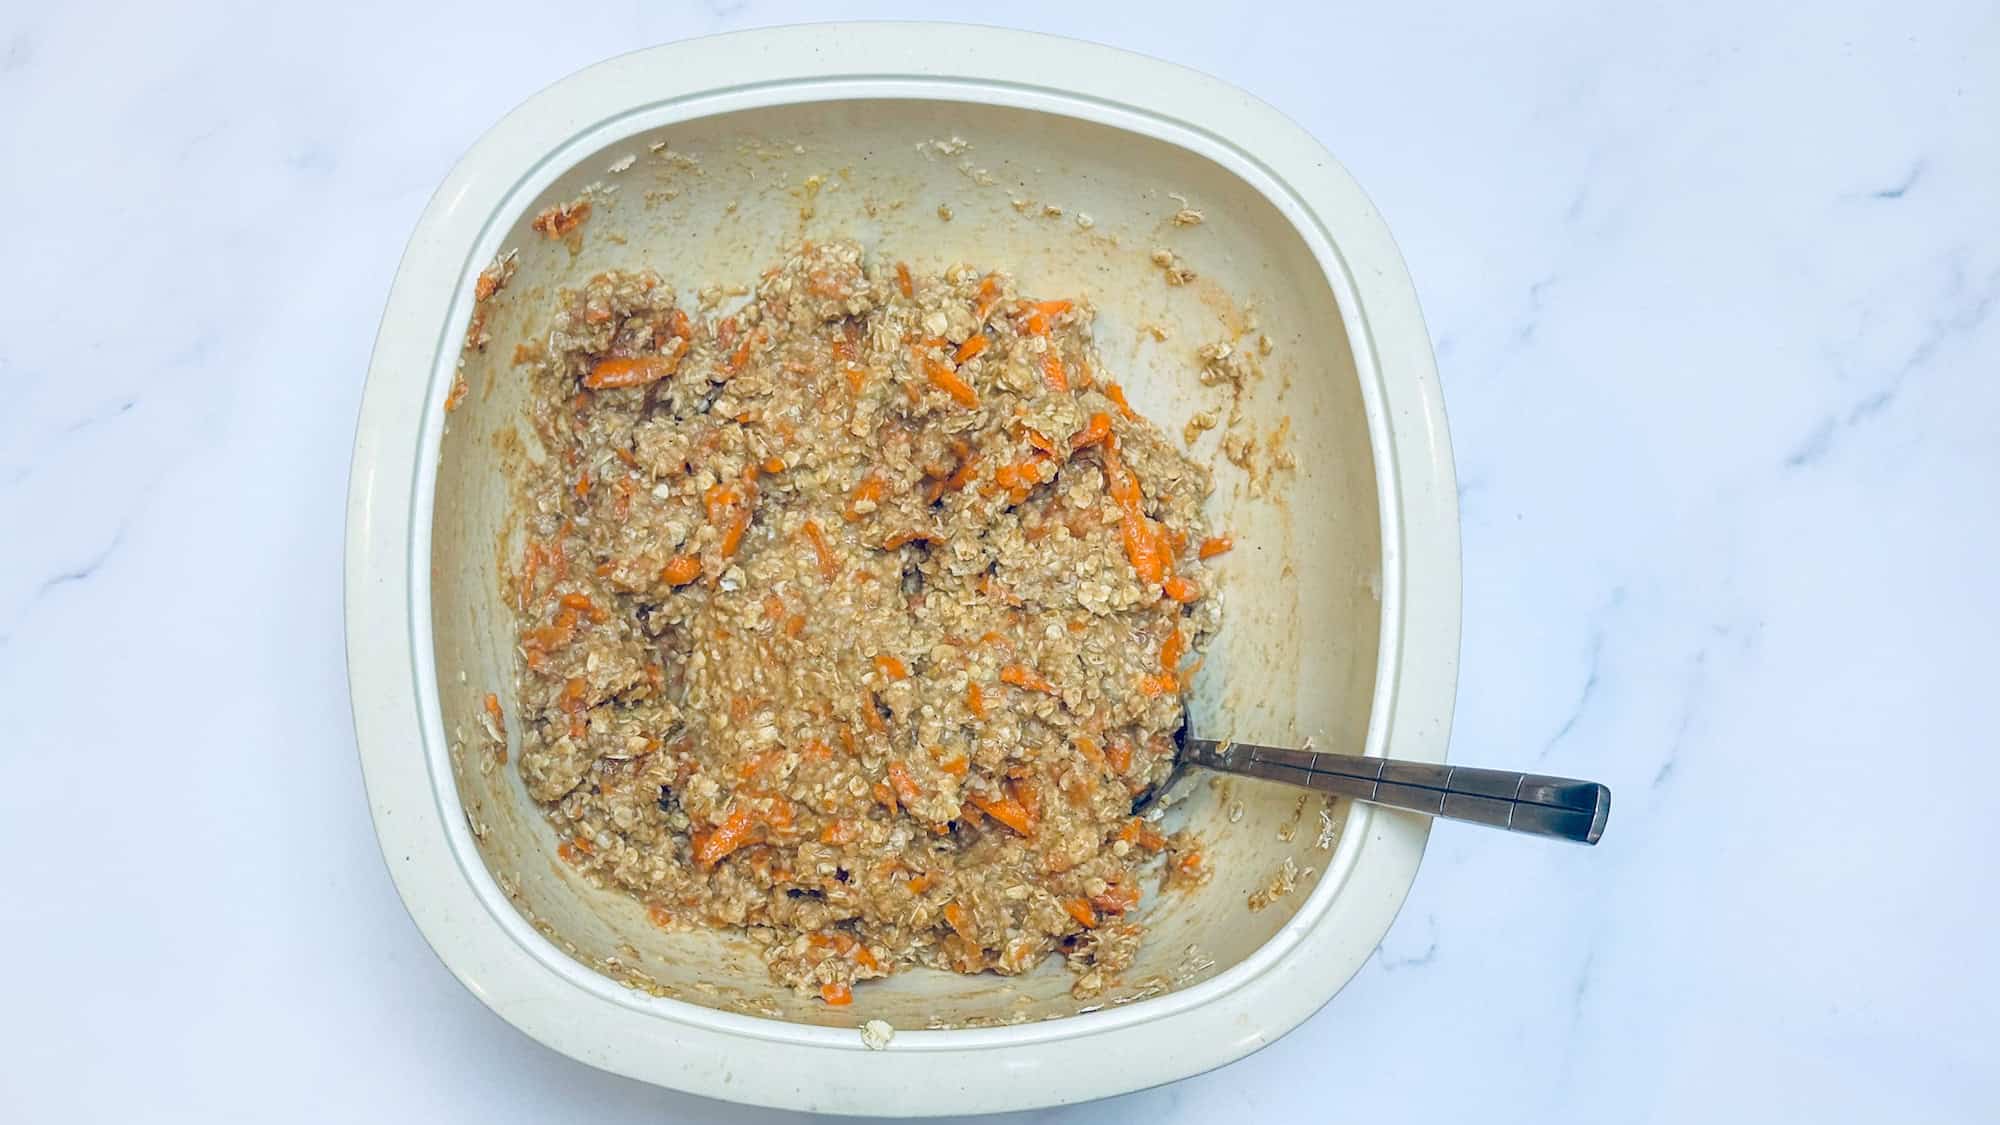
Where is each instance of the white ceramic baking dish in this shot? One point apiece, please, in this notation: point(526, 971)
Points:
point(1063, 162)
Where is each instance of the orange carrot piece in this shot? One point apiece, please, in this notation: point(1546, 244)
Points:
point(1213, 546)
point(903, 282)
point(732, 533)
point(1053, 373)
point(869, 489)
point(1146, 547)
point(618, 371)
point(904, 785)
point(681, 570)
point(919, 885)
point(954, 763)
point(729, 510)
point(840, 831)
point(583, 486)
point(817, 749)
point(836, 993)
point(718, 500)
point(967, 470)
point(741, 356)
point(1020, 478)
point(975, 701)
point(1096, 430)
point(973, 345)
point(1171, 650)
point(1007, 810)
point(774, 464)
point(492, 705)
point(1041, 315)
point(1181, 589)
point(711, 845)
point(1080, 910)
point(989, 296)
point(1116, 394)
point(1119, 754)
point(1147, 550)
point(890, 667)
point(555, 635)
point(1020, 675)
point(904, 538)
point(947, 380)
point(829, 563)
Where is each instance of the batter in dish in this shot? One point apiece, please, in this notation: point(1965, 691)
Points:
point(856, 618)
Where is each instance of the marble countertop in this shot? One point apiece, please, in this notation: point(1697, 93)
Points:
point(1715, 290)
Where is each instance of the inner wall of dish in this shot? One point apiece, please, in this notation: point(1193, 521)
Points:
point(1070, 208)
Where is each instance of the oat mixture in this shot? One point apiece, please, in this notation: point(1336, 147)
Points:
point(856, 618)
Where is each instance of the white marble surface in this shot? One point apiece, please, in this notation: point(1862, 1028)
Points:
point(1716, 294)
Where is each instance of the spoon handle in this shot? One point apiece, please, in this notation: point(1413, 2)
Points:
point(1522, 802)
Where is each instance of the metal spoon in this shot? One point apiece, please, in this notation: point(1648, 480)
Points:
point(1522, 802)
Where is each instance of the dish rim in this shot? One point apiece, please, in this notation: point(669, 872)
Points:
point(419, 820)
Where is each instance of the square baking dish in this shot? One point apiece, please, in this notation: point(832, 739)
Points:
point(1064, 163)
